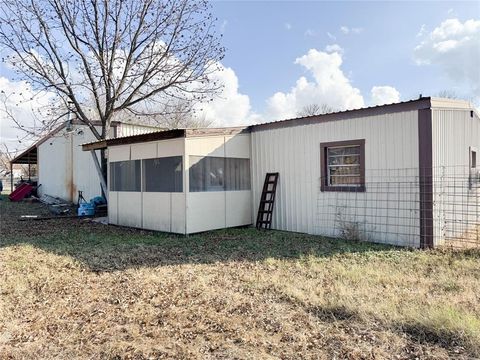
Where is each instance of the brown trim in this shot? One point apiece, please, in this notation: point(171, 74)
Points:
point(422, 103)
point(425, 167)
point(164, 135)
point(126, 140)
point(324, 171)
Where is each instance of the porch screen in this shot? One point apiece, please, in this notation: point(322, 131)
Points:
point(211, 173)
point(163, 174)
point(125, 175)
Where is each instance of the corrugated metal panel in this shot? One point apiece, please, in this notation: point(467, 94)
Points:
point(64, 168)
point(162, 211)
point(391, 144)
point(454, 131)
point(125, 129)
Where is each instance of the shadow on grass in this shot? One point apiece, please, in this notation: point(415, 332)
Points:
point(111, 248)
point(454, 342)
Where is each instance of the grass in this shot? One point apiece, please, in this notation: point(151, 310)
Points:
point(70, 288)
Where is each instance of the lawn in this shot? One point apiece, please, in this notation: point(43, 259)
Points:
point(73, 289)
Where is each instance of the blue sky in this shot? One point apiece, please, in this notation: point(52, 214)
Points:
point(282, 56)
point(262, 48)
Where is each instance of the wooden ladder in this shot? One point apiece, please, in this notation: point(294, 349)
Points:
point(265, 210)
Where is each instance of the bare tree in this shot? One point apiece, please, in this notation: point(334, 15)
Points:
point(315, 109)
point(448, 94)
point(6, 156)
point(104, 58)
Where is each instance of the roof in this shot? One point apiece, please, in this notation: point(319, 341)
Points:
point(30, 154)
point(421, 103)
point(165, 135)
point(417, 104)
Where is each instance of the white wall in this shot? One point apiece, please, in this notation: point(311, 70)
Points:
point(217, 209)
point(456, 207)
point(161, 211)
point(389, 209)
point(64, 168)
point(54, 167)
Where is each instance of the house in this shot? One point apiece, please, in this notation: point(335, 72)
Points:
point(403, 174)
point(62, 167)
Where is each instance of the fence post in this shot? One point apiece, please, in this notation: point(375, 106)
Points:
point(425, 177)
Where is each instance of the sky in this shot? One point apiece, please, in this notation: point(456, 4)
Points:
point(281, 56)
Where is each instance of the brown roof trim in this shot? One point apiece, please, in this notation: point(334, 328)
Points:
point(164, 135)
point(422, 103)
point(153, 136)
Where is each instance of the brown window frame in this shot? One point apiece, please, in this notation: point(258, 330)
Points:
point(324, 166)
point(473, 163)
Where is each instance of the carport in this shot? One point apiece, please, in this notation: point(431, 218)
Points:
point(27, 157)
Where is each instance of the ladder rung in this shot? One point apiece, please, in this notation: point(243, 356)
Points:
point(266, 201)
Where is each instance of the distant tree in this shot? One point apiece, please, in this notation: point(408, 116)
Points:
point(448, 94)
point(6, 155)
point(315, 109)
point(104, 58)
point(182, 115)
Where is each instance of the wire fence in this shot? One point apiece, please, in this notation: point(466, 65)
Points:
point(438, 207)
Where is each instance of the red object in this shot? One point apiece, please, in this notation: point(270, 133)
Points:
point(20, 192)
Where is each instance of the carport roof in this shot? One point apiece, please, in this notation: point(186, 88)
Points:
point(164, 135)
point(28, 156)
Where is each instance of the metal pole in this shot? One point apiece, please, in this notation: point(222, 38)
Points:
point(100, 174)
point(11, 177)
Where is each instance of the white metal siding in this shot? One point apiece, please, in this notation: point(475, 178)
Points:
point(214, 210)
point(455, 205)
point(64, 168)
point(391, 143)
point(161, 211)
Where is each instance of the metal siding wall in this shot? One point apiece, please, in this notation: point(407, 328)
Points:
point(391, 143)
point(159, 211)
point(215, 210)
point(54, 163)
point(85, 176)
point(133, 129)
point(454, 131)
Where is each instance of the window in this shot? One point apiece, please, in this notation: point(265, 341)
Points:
point(219, 174)
point(473, 158)
point(125, 175)
point(163, 174)
point(237, 176)
point(343, 166)
point(474, 176)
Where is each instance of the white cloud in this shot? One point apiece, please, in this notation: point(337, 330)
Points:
point(310, 32)
point(454, 47)
point(230, 107)
point(334, 48)
point(328, 86)
point(347, 30)
point(331, 36)
point(288, 26)
point(422, 30)
point(223, 27)
point(384, 95)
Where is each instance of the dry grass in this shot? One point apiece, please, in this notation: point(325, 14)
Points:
point(71, 289)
